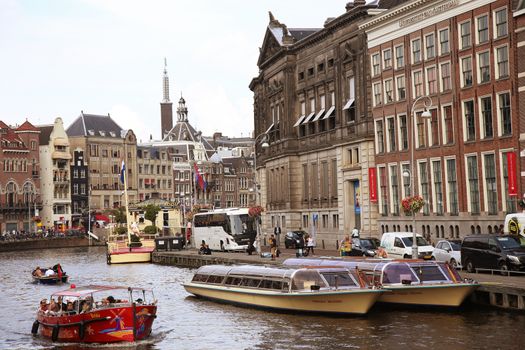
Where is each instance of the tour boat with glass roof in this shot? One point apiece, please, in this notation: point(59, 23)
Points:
point(96, 314)
point(414, 282)
point(324, 290)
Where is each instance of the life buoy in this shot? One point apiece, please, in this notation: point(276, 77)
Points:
point(34, 329)
point(54, 334)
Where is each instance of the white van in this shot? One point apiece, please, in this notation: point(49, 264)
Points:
point(398, 245)
point(514, 218)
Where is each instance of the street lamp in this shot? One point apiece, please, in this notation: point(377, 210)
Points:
point(426, 115)
point(261, 137)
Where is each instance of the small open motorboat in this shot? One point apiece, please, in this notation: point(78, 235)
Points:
point(325, 290)
point(49, 275)
point(412, 282)
point(97, 314)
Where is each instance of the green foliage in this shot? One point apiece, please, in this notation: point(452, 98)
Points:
point(121, 230)
point(120, 215)
point(150, 230)
point(150, 213)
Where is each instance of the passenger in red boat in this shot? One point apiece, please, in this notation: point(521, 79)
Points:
point(43, 305)
point(53, 308)
point(38, 272)
point(70, 308)
point(86, 307)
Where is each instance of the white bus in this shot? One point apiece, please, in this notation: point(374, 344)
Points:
point(224, 229)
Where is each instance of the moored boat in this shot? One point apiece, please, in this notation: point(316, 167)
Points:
point(121, 250)
point(325, 290)
point(411, 282)
point(49, 275)
point(97, 314)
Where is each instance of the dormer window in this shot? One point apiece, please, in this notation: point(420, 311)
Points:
point(102, 133)
point(112, 134)
point(91, 132)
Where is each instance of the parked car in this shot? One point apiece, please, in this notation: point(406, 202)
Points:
point(399, 245)
point(294, 239)
point(492, 252)
point(364, 246)
point(448, 251)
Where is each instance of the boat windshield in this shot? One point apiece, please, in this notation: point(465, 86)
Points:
point(305, 279)
point(339, 279)
point(429, 273)
point(420, 241)
point(396, 273)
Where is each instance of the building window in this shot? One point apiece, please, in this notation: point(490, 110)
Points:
point(483, 29)
point(466, 68)
point(446, 82)
point(510, 202)
point(501, 22)
point(395, 192)
point(306, 194)
point(418, 84)
point(335, 220)
point(484, 67)
point(452, 187)
point(504, 111)
point(377, 94)
point(423, 175)
point(400, 57)
point(486, 114)
point(405, 172)
point(470, 125)
point(416, 51)
point(75, 173)
point(438, 189)
point(301, 76)
point(320, 67)
point(473, 186)
point(502, 57)
point(443, 41)
point(310, 71)
point(448, 125)
point(430, 46)
point(465, 34)
point(403, 132)
point(434, 127)
point(400, 84)
point(490, 184)
point(420, 127)
point(387, 59)
point(391, 125)
point(75, 188)
point(431, 81)
point(334, 179)
point(379, 136)
point(383, 191)
point(376, 68)
point(388, 91)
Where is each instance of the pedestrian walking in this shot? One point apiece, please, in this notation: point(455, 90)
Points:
point(310, 245)
point(273, 246)
point(277, 233)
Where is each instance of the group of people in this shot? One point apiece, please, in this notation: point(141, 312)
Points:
point(48, 272)
point(345, 246)
point(204, 249)
point(61, 308)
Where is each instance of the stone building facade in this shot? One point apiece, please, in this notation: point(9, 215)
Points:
point(311, 104)
point(455, 58)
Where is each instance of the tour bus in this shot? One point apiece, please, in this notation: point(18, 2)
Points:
point(225, 229)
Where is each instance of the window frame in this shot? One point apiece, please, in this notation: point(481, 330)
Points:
point(412, 52)
point(441, 52)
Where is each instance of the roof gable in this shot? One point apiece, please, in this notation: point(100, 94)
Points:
point(27, 126)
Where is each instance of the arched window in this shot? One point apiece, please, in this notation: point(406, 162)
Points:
point(478, 229)
point(472, 230)
point(10, 194)
point(29, 192)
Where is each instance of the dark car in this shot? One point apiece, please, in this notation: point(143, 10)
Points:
point(364, 246)
point(492, 252)
point(294, 239)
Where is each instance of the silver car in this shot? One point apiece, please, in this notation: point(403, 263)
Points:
point(448, 251)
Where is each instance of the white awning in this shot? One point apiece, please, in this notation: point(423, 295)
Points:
point(307, 119)
point(299, 121)
point(329, 113)
point(319, 115)
point(270, 128)
point(349, 104)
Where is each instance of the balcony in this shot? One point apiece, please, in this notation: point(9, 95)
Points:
point(60, 155)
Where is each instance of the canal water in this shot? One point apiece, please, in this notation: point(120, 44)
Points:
point(185, 322)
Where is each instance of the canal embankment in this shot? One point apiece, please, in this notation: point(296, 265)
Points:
point(506, 292)
point(48, 243)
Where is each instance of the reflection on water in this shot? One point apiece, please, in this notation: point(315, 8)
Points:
point(185, 322)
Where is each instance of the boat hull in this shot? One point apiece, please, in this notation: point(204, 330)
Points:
point(50, 280)
point(99, 326)
point(430, 295)
point(340, 302)
point(120, 253)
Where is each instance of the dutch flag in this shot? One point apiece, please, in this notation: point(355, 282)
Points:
point(122, 171)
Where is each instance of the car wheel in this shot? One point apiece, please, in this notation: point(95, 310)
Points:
point(454, 263)
point(407, 256)
point(470, 267)
point(504, 269)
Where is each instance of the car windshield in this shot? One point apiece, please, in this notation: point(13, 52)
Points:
point(455, 246)
point(368, 244)
point(420, 241)
point(508, 243)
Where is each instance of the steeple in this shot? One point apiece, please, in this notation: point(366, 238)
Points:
point(166, 108)
point(166, 83)
point(182, 110)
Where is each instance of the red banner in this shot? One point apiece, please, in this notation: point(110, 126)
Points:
point(372, 180)
point(511, 173)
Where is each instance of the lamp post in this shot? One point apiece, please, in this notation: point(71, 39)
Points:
point(261, 137)
point(426, 114)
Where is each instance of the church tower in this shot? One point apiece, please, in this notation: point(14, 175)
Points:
point(166, 108)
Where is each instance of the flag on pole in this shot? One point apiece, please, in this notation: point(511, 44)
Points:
point(198, 178)
point(122, 171)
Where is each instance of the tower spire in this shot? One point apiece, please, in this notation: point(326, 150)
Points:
point(166, 83)
point(182, 110)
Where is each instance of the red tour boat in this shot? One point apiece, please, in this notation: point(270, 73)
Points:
point(97, 314)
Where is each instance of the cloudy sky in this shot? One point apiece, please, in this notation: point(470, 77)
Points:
point(58, 57)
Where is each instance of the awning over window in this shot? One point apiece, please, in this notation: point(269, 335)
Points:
point(319, 115)
point(299, 121)
point(349, 104)
point(329, 113)
point(307, 119)
point(270, 128)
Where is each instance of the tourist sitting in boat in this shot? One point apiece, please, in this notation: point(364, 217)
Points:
point(70, 308)
point(53, 307)
point(86, 306)
point(49, 273)
point(204, 249)
point(346, 246)
point(38, 272)
point(43, 305)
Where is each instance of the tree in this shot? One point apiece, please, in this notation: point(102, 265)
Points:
point(150, 213)
point(120, 215)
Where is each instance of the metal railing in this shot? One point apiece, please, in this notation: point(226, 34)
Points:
point(500, 272)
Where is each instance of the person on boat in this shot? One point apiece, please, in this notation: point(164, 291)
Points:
point(43, 305)
point(52, 308)
point(87, 305)
point(273, 246)
point(61, 305)
point(38, 272)
point(111, 300)
point(50, 273)
point(346, 246)
point(381, 252)
point(70, 308)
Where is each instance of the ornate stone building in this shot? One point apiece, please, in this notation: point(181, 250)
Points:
point(311, 104)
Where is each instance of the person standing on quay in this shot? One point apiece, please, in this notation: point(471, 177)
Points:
point(277, 233)
point(273, 246)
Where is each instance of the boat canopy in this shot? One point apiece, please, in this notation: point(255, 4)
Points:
point(245, 270)
point(88, 290)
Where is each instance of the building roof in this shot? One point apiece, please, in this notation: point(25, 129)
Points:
point(95, 125)
point(27, 126)
point(45, 134)
point(301, 33)
point(3, 125)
